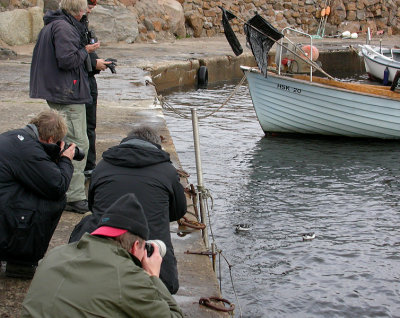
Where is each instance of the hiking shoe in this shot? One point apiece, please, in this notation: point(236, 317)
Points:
point(20, 271)
point(80, 207)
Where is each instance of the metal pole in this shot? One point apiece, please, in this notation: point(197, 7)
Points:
point(199, 172)
point(214, 252)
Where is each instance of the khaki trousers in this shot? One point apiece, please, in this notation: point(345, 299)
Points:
point(75, 117)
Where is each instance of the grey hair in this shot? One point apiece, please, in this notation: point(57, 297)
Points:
point(146, 133)
point(127, 240)
point(74, 7)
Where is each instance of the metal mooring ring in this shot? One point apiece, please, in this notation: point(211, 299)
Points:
point(207, 302)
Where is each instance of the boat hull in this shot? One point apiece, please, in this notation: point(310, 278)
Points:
point(287, 105)
point(375, 63)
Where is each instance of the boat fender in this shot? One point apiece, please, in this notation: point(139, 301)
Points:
point(386, 76)
point(315, 53)
point(346, 34)
point(202, 77)
point(354, 35)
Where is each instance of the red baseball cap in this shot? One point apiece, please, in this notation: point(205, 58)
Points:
point(108, 231)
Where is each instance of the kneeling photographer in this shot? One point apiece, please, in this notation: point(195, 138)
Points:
point(35, 175)
point(107, 273)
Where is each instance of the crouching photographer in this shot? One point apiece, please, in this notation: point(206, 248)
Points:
point(108, 273)
point(35, 175)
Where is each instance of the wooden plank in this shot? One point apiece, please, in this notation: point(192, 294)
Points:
point(357, 87)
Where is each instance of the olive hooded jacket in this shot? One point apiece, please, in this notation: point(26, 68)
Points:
point(96, 278)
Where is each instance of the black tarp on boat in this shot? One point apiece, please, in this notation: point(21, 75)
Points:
point(261, 35)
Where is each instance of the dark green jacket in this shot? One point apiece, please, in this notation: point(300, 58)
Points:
point(95, 278)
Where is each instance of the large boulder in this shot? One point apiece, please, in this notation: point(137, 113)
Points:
point(15, 27)
point(195, 20)
point(113, 24)
point(176, 16)
point(36, 22)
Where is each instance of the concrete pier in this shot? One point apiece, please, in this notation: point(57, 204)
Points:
point(125, 99)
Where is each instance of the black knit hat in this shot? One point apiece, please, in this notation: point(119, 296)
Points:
point(124, 214)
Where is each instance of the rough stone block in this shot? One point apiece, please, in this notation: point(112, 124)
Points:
point(15, 27)
point(113, 24)
point(36, 22)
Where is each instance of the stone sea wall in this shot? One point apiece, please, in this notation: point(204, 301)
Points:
point(157, 20)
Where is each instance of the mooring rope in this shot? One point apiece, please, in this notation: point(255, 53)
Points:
point(168, 107)
point(206, 194)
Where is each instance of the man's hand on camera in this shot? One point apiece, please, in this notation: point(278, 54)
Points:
point(152, 264)
point(101, 65)
point(112, 65)
point(69, 152)
point(90, 48)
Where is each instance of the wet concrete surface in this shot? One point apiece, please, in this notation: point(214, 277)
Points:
point(125, 100)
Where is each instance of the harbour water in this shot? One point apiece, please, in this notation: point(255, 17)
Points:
point(345, 191)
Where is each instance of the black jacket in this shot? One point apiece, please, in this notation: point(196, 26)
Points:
point(32, 194)
point(140, 167)
point(58, 72)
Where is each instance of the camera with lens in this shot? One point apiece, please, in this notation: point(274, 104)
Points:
point(150, 248)
point(79, 153)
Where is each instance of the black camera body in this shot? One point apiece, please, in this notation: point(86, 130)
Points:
point(149, 248)
point(79, 154)
point(162, 248)
point(112, 65)
point(92, 37)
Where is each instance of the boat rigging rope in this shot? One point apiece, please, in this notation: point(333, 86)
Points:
point(165, 105)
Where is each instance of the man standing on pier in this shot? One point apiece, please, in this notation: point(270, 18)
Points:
point(59, 74)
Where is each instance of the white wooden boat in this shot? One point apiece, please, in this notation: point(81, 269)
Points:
point(306, 104)
point(295, 105)
point(376, 60)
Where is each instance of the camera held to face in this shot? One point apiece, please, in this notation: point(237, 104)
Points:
point(79, 153)
point(150, 248)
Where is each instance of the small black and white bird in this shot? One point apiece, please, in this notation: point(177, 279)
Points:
point(242, 227)
point(308, 236)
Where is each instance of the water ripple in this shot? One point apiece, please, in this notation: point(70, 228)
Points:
point(345, 191)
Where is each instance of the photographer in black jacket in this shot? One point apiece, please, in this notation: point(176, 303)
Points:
point(34, 177)
point(138, 165)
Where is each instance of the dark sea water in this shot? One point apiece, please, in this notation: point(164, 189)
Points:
point(345, 191)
